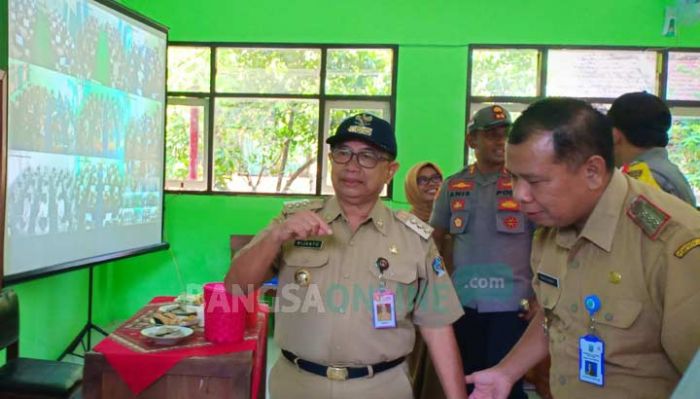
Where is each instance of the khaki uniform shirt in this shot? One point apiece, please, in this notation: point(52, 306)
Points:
point(329, 320)
point(647, 276)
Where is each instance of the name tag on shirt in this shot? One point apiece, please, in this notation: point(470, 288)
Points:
point(548, 279)
point(591, 360)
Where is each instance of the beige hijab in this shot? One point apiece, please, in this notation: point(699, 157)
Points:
point(419, 206)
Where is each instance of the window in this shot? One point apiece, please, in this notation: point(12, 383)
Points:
point(518, 76)
point(271, 109)
point(185, 144)
point(600, 73)
point(504, 73)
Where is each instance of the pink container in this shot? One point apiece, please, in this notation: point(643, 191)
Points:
point(252, 308)
point(224, 314)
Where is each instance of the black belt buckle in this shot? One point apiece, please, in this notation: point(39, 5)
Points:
point(337, 373)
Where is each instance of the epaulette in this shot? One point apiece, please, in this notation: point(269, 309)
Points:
point(420, 227)
point(291, 207)
point(648, 216)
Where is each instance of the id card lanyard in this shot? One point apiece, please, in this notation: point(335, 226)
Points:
point(591, 347)
point(383, 301)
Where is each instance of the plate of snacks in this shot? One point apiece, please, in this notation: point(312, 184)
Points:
point(176, 315)
point(190, 299)
point(166, 335)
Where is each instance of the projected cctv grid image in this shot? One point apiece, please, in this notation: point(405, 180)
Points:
point(85, 133)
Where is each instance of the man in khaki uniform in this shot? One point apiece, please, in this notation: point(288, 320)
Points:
point(609, 246)
point(345, 263)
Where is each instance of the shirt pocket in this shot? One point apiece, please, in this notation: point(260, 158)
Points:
point(458, 222)
point(510, 222)
point(613, 323)
point(618, 313)
point(402, 281)
point(298, 263)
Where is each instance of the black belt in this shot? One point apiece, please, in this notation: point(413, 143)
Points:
point(340, 373)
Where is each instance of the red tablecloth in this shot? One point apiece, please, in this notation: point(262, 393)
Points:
point(140, 363)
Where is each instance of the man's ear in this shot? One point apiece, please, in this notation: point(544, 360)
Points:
point(595, 172)
point(391, 170)
point(471, 140)
point(618, 136)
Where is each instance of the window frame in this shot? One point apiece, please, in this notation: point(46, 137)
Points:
point(189, 185)
point(323, 122)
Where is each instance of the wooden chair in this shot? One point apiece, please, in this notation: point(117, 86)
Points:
point(24, 378)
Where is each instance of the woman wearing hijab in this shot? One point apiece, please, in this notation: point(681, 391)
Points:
point(422, 184)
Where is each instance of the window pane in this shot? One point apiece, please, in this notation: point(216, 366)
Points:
point(600, 73)
point(268, 70)
point(266, 145)
point(684, 76)
point(359, 72)
point(506, 72)
point(683, 149)
point(185, 154)
point(336, 115)
point(188, 68)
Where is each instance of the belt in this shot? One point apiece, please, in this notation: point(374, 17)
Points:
point(340, 373)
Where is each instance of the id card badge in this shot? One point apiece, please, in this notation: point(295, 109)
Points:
point(383, 309)
point(591, 360)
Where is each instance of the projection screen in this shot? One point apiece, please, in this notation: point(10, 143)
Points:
point(85, 135)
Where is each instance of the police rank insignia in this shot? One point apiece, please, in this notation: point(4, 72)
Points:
point(439, 266)
point(508, 204)
point(511, 222)
point(458, 222)
point(498, 112)
point(504, 183)
point(460, 185)
point(302, 277)
point(458, 204)
point(687, 247)
point(648, 216)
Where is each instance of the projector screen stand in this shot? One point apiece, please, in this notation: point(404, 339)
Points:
point(86, 332)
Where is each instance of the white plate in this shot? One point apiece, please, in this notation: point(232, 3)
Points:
point(166, 335)
point(179, 310)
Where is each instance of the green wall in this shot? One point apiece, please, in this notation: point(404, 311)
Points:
point(432, 36)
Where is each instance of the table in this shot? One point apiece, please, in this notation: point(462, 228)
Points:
point(206, 371)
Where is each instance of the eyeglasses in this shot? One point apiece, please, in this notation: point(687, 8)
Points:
point(425, 180)
point(365, 158)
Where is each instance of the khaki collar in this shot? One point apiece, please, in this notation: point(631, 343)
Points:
point(602, 222)
point(379, 215)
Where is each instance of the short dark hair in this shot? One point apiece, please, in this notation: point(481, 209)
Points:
point(643, 118)
point(578, 130)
